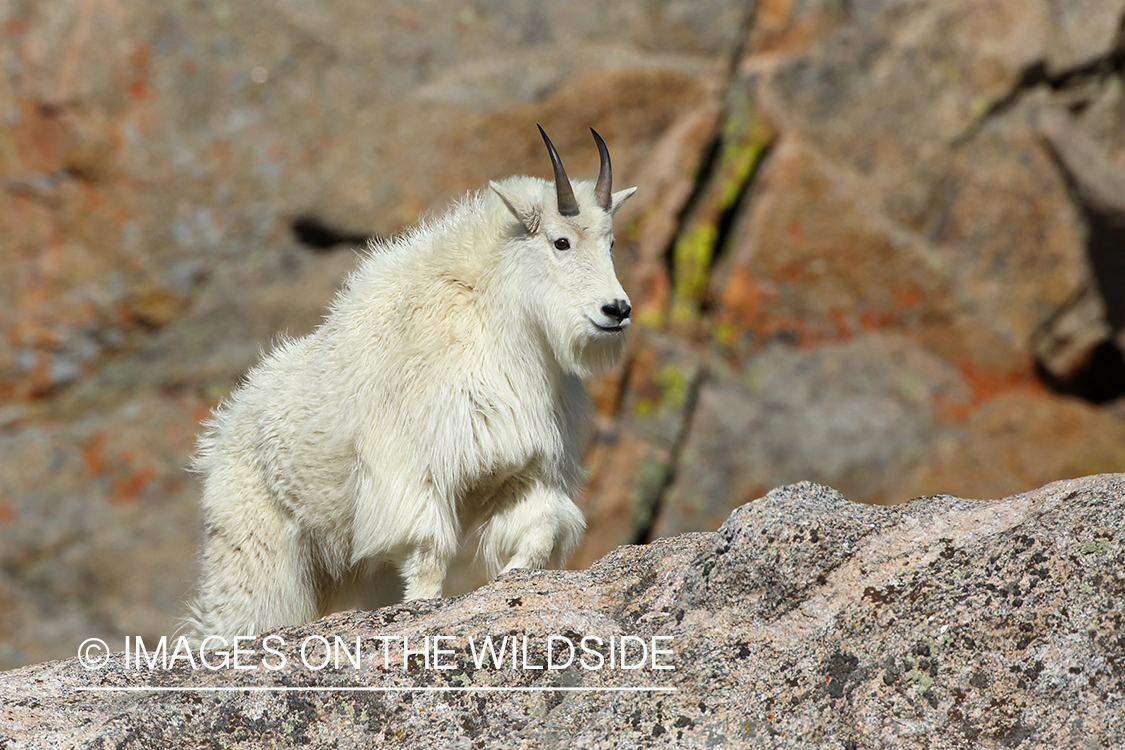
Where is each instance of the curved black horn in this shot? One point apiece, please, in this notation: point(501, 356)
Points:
point(605, 175)
point(568, 206)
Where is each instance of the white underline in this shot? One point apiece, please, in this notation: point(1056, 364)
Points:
point(363, 689)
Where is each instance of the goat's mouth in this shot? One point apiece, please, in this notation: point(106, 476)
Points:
point(611, 327)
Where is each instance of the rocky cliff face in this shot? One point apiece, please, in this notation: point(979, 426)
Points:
point(876, 246)
point(806, 620)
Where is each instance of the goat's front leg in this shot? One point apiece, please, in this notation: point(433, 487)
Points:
point(416, 524)
point(540, 523)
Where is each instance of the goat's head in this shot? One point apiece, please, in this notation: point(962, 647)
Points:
point(569, 280)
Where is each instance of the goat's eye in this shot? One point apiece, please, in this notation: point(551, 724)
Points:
point(612, 242)
point(562, 243)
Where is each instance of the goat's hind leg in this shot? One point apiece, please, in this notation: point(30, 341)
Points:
point(423, 572)
point(257, 570)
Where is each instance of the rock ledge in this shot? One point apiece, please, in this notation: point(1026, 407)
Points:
point(805, 621)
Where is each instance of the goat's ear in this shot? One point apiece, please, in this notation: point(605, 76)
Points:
point(523, 209)
point(618, 199)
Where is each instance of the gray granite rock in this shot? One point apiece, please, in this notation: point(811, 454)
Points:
point(853, 414)
point(806, 620)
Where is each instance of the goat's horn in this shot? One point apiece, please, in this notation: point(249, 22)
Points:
point(568, 206)
point(605, 174)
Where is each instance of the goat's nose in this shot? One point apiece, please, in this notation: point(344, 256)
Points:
point(618, 310)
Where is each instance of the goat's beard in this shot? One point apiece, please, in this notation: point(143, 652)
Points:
point(593, 355)
point(580, 348)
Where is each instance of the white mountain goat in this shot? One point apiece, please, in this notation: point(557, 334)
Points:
point(440, 395)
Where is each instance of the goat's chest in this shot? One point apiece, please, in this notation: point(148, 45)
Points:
point(511, 436)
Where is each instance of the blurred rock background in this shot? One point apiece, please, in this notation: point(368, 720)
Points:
point(879, 244)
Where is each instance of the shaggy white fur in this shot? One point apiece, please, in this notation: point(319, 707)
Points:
point(441, 395)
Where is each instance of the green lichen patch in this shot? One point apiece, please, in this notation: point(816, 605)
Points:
point(647, 482)
point(724, 334)
point(923, 664)
point(692, 257)
point(651, 318)
point(916, 674)
point(673, 386)
point(744, 138)
point(1097, 546)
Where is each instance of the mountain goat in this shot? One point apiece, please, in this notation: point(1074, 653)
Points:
point(441, 394)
